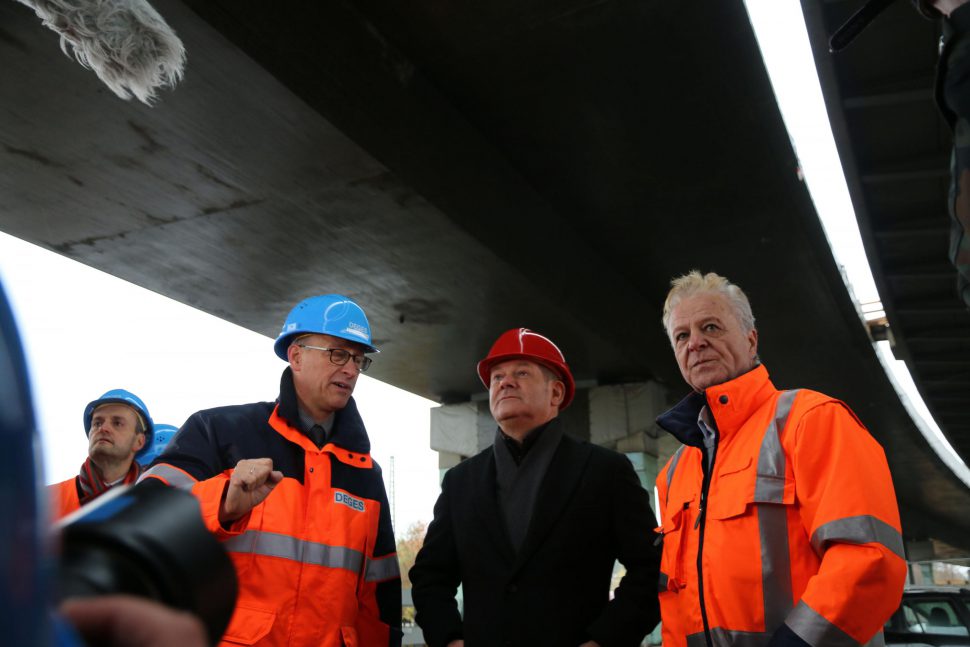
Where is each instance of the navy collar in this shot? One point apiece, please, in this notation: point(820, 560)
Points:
point(681, 420)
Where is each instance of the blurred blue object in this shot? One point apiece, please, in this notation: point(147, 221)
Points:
point(24, 569)
point(163, 434)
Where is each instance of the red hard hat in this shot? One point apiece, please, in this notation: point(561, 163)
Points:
point(522, 342)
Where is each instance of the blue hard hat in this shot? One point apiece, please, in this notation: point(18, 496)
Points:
point(163, 434)
point(120, 396)
point(329, 314)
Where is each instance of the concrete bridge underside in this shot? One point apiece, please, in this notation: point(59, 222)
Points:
point(459, 169)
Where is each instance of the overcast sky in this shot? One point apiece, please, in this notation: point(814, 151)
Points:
point(86, 332)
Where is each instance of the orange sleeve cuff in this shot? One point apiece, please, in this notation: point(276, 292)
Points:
point(210, 493)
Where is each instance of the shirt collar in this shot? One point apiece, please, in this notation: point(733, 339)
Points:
point(307, 422)
point(519, 450)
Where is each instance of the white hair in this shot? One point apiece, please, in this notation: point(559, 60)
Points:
point(125, 42)
point(694, 283)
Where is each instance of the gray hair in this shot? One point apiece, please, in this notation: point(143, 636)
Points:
point(694, 283)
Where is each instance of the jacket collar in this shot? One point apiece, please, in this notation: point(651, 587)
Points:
point(731, 404)
point(681, 420)
point(516, 450)
point(563, 476)
point(348, 427)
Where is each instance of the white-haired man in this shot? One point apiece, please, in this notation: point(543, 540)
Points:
point(779, 519)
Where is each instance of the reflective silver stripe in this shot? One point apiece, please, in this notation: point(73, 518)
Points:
point(273, 544)
point(670, 470)
point(662, 582)
point(814, 629)
point(879, 640)
point(863, 529)
point(776, 586)
point(383, 568)
point(776, 583)
point(727, 638)
point(174, 477)
point(696, 640)
point(770, 486)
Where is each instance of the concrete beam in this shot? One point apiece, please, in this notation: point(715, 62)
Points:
point(625, 413)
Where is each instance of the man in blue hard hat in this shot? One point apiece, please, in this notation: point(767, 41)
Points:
point(290, 488)
point(119, 429)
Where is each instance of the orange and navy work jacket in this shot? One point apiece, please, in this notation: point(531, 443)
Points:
point(782, 528)
point(316, 559)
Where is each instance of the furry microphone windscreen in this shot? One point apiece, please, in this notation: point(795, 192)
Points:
point(125, 42)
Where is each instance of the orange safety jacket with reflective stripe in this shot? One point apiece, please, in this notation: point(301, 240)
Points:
point(63, 498)
point(786, 531)
point(316, 559)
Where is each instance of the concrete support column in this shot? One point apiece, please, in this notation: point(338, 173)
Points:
point(619, 416)
point(459, 431)
point(920, 555)
point(933, 563)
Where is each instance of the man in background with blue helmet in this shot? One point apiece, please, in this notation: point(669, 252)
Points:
point(160, 439)
point(290, 489)
point(119, 430)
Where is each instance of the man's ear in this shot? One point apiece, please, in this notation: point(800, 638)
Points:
point(294, 354)
point(140, 440)
point(558, 392)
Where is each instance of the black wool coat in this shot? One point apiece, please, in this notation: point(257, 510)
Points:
point(590, 511)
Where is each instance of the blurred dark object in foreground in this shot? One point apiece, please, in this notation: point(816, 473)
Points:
point(148, 540)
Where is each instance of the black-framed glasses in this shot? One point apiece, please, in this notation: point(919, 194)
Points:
point(339, 356)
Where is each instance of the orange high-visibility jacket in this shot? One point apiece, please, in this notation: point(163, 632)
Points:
point(793, 529)
point(316, 559)
point(63, 498)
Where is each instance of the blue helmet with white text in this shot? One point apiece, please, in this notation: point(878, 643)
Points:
point(328, 314)
point(121, 396)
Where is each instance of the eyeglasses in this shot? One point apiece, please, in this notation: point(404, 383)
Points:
point(339, 356)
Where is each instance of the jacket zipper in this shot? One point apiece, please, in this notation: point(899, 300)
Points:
point(702, 522)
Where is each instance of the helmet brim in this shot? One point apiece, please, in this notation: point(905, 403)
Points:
point(282, 343)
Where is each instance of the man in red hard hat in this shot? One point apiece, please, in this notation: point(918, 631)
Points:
point(532, 526)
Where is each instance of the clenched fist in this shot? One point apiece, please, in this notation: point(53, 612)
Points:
point(250, 483)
